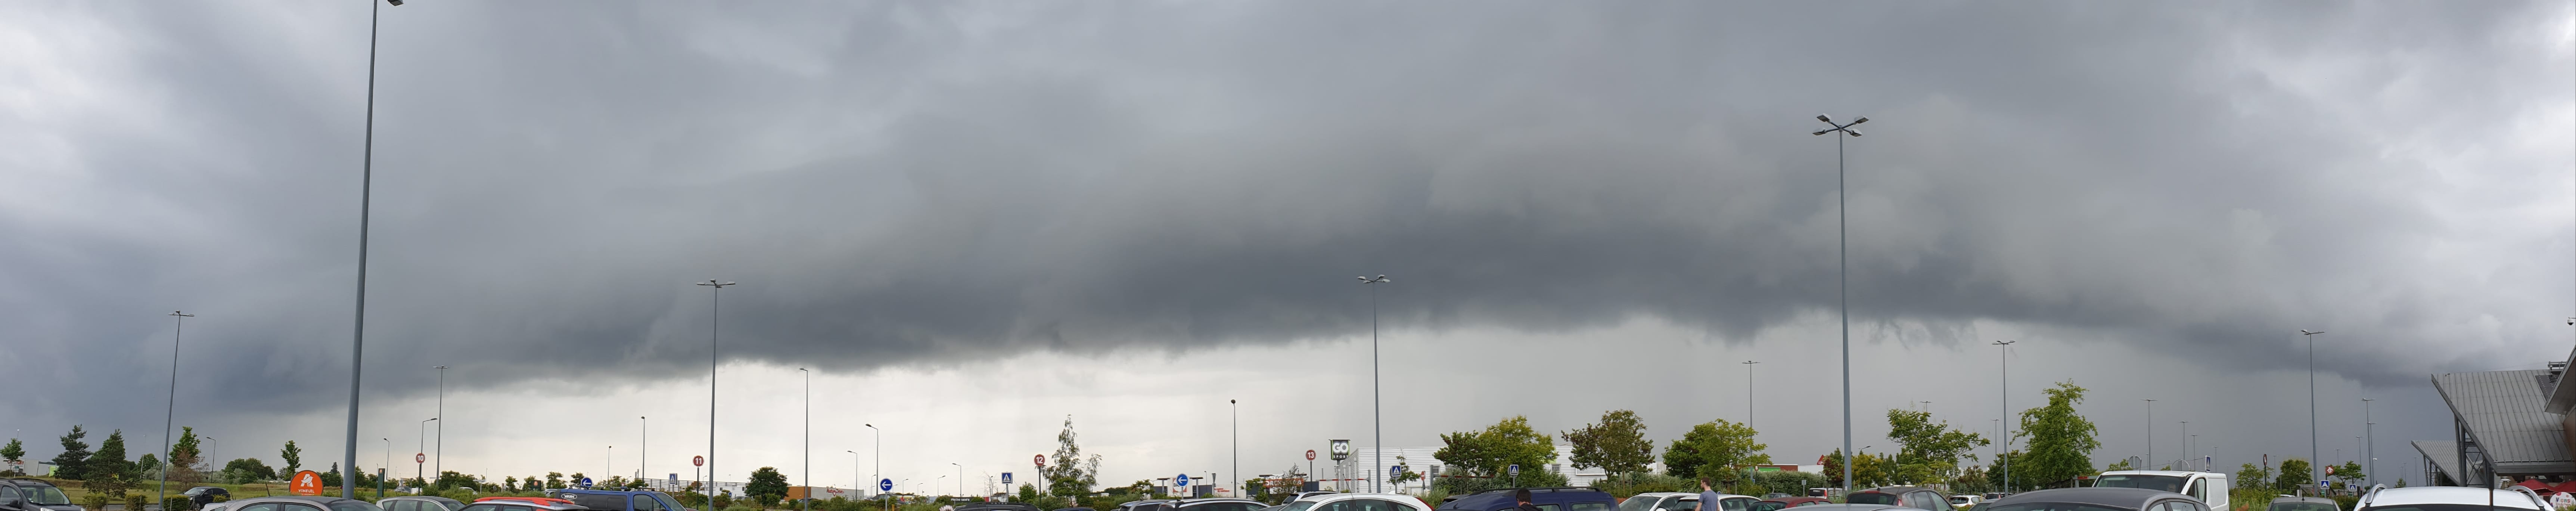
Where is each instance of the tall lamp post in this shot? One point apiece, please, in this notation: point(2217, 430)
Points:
point(961, 479)
point(1842, 236)
point(879, 450)
point(2186, 445)
point(1748, 393)
point(2312, 401)
point(2370, 449)
point(715, 318)
point(1377, 409)
point(643, 448)
point(416, 465)
point(380, 469)
point(808, 451)
point(438, 457)
point(366, 196)
point(170, 412)
point(2003, 396)
point(854, 470)
point(1235, 413)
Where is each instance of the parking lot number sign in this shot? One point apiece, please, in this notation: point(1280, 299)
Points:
point(1310, 455)
point(1040, 460)
point(698, 461)
point(306, 483)
point(419, 457)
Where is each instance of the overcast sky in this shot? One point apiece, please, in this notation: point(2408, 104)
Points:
point(974, 219)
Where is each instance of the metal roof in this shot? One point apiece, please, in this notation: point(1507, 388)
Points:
point(2445, 455)
point(2506, 412)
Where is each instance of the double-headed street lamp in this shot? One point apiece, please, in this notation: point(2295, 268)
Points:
point(1377, 408)
point(715, 318)
point(1842, 236)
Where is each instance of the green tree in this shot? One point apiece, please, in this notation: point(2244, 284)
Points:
point(2252, 477)
point(2350, 472)
point(145, 466)
point(2123, 464)
point(510, 482)
point(14, 452)
point(1506, 443)
point(68, 465)
point(184, 456)
point(766, 487)
point(1617, 444)
point(2294, 472)
point(2061, 441)
point(1929, 451)
point(1834, 469)
point(452, 479)
point(1069, 474)
point(293, 456)
point(110, 459)
point(247, 470)
point(554, 481)
point(1717, 450)
point(331, 478)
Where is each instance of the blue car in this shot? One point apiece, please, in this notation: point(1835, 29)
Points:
point(1546, 499)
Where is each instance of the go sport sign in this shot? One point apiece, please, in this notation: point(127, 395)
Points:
point(1341, 450)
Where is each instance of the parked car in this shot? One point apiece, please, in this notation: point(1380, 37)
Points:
point(613, 500)
point(301, 503)
point(539, 500)
point(1360, 502)
point(1075, 509)
point(13, 500)
point(999, 506)
point(1217, 504)
point(1304, 495)
point(1659, 501)
point(2449, 498)
point(2303, 504)
point(1907, 496)
point(204, 495)
point(1547, 499)
point(518, 505)
point(425, 503)
point(1148, 505)
point(1778, 504)
point(44, 494)
point(2098, 498)
point(1966, 501)
point(2206, 486)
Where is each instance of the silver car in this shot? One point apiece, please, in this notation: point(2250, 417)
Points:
point(419, 503)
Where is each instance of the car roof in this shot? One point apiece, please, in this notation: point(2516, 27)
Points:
point(1796, 499)
point(531, 503)
point(2131, 498)
point(28, 480)
point(1851, 507)
point(2320, 500)
point(1897, 489)
point(2449, 495)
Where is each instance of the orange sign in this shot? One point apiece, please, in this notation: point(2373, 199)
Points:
point(305, 483)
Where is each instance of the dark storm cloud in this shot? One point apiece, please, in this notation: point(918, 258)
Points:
point(922, 183)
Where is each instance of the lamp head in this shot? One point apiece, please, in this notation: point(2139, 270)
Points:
point(1828, 120)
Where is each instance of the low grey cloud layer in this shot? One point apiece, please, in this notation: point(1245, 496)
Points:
point(924, 183)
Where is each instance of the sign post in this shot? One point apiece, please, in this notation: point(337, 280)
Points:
point(1516, 474)
point(305, 483)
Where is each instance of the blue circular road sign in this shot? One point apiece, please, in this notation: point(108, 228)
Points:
point(885, 485)
point(1181, 480)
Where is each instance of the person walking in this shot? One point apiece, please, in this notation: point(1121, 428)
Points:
point(1523, 496)
point(1708, 497)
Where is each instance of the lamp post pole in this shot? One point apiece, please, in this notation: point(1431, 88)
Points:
point(879, 451)
point(1842, 236)
point(2186, 445)
point(808, 451)
point(1377, 408)
point(961, 479)
point(439, 457)
point(854, 468)
point(1235, 412)
point(416, 466)
point(169, 412)
point(2003, 396)
point(644, 448)
point(380, 469)
point(2312, 402)
point(715, 319)
point(366, 196)
point(1748, 393)
point(2370, 449)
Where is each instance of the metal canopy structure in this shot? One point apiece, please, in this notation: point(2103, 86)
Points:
point(2503, 426)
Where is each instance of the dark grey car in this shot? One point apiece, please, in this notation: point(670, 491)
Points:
point(44, 494)
point(2098, 499)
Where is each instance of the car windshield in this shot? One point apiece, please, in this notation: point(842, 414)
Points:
point(45, 495)
point(354, 505)
point(1768, 506)
point(1639, 503)
point(2157, 483)
point(1871, 497)
point(1296, 506)
point(2302, 506)
point(2053, 506)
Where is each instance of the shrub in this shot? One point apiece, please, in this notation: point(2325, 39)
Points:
point(1793, 483)
point(137, 501)
point(1631, 484)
